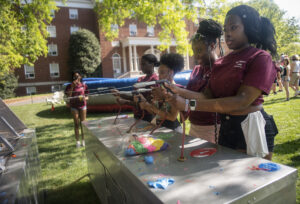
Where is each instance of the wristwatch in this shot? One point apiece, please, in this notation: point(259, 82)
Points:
point(192, 104)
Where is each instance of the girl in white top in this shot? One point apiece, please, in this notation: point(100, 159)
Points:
point(295, 69)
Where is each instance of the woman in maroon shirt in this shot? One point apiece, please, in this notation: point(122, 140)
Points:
point(77, 93)
point(148, 63)
point(204, 43)
point(239, 79)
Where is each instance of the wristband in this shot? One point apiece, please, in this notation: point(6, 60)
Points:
point(187, 103)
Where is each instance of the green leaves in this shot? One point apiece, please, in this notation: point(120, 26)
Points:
point(84, 52)
point(171, 15)
point(23, 32)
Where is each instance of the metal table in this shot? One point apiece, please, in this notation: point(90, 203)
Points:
point(19, 183)
point(224, 177)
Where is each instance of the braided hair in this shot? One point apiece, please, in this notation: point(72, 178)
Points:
point(209, 31)
point(259, 30)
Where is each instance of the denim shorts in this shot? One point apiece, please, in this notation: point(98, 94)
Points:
point(78, 109)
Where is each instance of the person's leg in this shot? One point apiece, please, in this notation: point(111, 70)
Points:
point(75, 115)
point(280, 85)
point(82, 118)
point(274, 88)
point(286, 87)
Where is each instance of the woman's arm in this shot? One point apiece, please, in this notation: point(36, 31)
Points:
point(238, 103)
point(242, 100)
point(172, 115)
point(187, 93)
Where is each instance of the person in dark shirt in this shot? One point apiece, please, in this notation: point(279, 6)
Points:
point(77, 93)
point(148, 62)
point(170, 64)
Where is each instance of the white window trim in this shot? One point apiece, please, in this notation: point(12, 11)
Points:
point(73, 27)
point(28, 92)
point(150, 33)
point(53, 29)
point(54, 74)
point(73, 13)
point(29, 75)
point(118, 69)
point(52, 13)
point(131, 33)
point(51, 52)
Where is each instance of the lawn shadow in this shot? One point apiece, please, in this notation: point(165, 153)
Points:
point(278, 100)
point(287, 147)
point(60, 112)
point(81, 192)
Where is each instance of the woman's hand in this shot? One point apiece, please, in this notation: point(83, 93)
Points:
point(115, 92)
point(158, 94)
point(172, 87)
point(176, 101)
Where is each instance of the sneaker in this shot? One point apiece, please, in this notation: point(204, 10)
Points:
point(280, 91)
point(77, 144)
point(83, 143)
point(275, 93)
point(287, 99)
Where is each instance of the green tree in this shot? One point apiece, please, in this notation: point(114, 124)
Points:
point(23, 32)
point(8, 84)
point(169, 14)
point(84, 52)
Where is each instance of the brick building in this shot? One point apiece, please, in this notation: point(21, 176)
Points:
point(135, 39)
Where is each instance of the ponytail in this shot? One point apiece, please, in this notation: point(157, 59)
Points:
point(259, 30)
point(267, 34)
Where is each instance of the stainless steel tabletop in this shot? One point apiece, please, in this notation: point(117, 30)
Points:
point(224, 177)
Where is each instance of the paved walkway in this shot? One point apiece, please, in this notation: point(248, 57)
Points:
point(27, 100)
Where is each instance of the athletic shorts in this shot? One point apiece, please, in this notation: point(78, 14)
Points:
point(231, 134)
point(294, 79)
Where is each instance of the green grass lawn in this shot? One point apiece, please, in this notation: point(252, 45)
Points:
point(62, 163)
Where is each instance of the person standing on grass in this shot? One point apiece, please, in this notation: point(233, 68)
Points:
point(286, 76)
point(295, 74)
point(77, 93)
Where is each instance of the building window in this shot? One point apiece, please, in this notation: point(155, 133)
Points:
point(132, 30)
point(150, 31)
point(52, 13)
point(114, 27)
point(31, 90)
point(116, 60)
point(55, 88)
point(74, 29)
point(73, 13)
point(29, 72)
point(54, 70)
point(52, 50)
point(52, 31)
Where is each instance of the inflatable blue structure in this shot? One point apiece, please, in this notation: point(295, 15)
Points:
point(106, 102)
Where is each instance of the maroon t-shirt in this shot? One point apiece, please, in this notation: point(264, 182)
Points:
point(198, 82)
point(79, 90)
point(251, 67)
point(138, 112)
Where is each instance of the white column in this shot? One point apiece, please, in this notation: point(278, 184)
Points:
point(168, 50)
point(152, 49)
point(135, 58)
point(187, 60)
point(130, 58)
point(124, 59)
